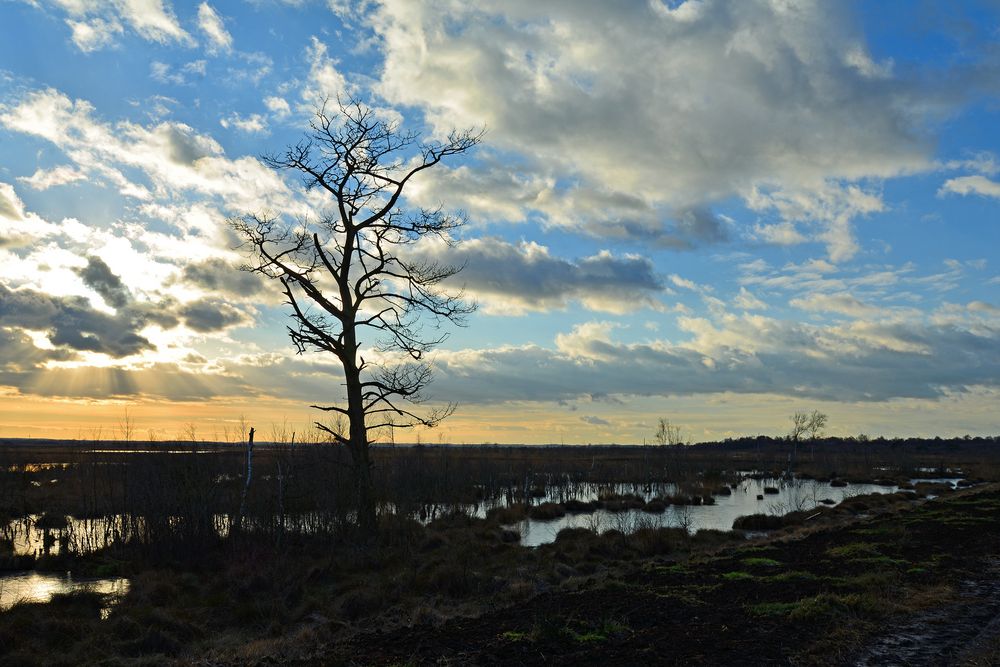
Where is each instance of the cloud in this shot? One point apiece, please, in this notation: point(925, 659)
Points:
point(832, 205)
point(844, 304)
point(211, 24)
point(518, 278)
point(278, 106)
point(173, 156)
point(94, 34)
point(252, 124)
point(779, 233)
point(71, 323)
point(218, 276)
point(96, 24)
point(18, 352)
point(745, 300)
point(164, 73)
point(676, 110)
point(595, 421)
point(11, 206)
point(43, 179)
point(324, 81)
point(98, 276)
point(748, 354)
point(153, 21)
point(208, 315)
point(971, 185)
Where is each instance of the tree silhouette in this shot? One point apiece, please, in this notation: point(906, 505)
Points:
point(345, 272)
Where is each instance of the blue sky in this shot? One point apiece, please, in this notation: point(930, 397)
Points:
point(714, 211)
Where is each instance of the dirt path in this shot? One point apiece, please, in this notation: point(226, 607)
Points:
point(953, 634)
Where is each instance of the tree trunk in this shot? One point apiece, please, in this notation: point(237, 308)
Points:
point(358, 445)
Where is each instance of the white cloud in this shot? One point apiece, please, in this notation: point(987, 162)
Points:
point(43, 179)
point(830, 204)
point(278, 106)
point(173, 156)
point(845, 304)
point(96, 24)
point(11, 206)
point(252, 124)
point(325, 81)
point(153, 21)
point(674, 108)
point(779, 233)
point(971, 185)
point(211, 24)
point(94, 34)
point(745, 300)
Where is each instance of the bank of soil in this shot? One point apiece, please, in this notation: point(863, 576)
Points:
point(915, 587)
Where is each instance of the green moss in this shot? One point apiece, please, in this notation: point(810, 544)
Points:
point(791, 577)
point(881, 561)
point(879, 531)
point(824, 605)
point(514, 636)
point(679, 568)
point(606, 631)
point(854, 550)
point(760, 562)
point(772, 608)
point(760, 549)
point(738, 576)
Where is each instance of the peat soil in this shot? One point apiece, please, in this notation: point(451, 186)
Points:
point(916, 586)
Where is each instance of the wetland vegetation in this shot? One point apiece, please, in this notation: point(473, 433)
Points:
point(487, 554)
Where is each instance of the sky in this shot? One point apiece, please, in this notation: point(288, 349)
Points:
point(718, 212)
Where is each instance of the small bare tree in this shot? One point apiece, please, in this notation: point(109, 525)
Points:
point(816, 424)
point(667, 433)
point(126, 427)
point(345, 273)
point(803, 424)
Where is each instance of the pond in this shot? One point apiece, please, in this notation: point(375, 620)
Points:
point(799, 494)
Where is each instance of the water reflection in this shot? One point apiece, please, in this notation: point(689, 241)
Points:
point(42, 586)
point(747, 498)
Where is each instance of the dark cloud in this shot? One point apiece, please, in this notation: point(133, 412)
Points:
point(873, 363)
point(98, 276)
point(72, 322)
point(183, 146)
point(219, 276)
point(526, 277)
point(595, 421)
point(208, 315)
point(18, 352)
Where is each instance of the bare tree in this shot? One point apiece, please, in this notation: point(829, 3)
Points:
point(816, 424)
point(803, 424)
point(346, 274)
point(126, 427)
point(667, 433)
point(800, 424)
